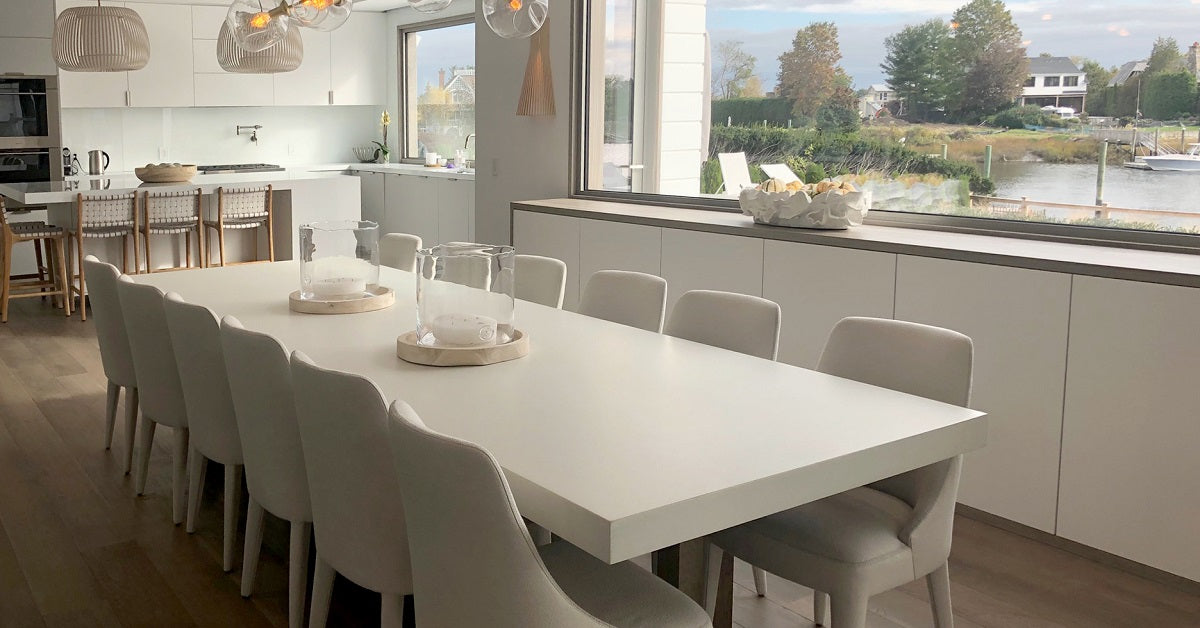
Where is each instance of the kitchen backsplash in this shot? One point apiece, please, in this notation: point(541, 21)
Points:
point(290, 135)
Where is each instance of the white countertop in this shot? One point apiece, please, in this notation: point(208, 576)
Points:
point(47, 193)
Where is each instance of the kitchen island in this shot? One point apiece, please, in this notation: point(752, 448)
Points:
point(299, 196)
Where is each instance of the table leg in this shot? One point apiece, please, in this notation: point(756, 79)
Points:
point(683, 567)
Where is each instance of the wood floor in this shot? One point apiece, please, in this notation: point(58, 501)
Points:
point(77, 548)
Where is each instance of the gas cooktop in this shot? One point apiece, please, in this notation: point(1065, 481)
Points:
point(228, 168)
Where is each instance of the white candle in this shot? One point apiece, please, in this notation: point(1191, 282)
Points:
point(464, 330)
point(338, 287)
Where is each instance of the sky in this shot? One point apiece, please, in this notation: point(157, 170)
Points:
point(444, 48)
point(1110, 31)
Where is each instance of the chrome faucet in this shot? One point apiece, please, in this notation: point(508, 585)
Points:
point(468, 140)
point(253, 131)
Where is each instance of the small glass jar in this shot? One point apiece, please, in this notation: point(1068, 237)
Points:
point(339, 260)
point(465, 295)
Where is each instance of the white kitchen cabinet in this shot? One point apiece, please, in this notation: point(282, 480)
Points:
point(27, 18)
point(552, 236)
point(207, 20)
point(27, 55)
point(412, 206)
point(817, 286)
point(91, 89)
point(166, 81)
point(233, 90)
point(308, 84)
point(1131, 432)
point(1017, 319)
point(359, 63)
point(455, 200)
point(696, 260)
point(605, 245)
point(373, 199)
point(204, 57)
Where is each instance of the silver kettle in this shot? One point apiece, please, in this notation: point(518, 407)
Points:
point(95, 166)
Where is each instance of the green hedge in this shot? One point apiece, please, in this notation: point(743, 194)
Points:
point(752, 111)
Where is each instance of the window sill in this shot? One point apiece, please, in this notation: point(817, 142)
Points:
point(1180, 269)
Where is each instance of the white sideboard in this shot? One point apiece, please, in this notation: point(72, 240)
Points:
point(1116, 470)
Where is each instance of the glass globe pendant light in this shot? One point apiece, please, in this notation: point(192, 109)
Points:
point(429, 6)
point(321, 15)
point(515, 19)
point(100, 39)
point(255, 27)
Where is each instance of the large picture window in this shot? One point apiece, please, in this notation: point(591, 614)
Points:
point(437, 87)
point(689, 101)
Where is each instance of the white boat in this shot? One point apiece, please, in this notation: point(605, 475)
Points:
point(1189, 160)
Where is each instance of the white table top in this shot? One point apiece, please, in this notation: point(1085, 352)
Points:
point(619, 440)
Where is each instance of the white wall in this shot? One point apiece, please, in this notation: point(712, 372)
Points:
point(290, 135)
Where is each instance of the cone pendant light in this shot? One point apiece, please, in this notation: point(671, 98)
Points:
point(537, 92)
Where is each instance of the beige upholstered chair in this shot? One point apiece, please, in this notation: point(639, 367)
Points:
point(870, 539)
point(102, 216)
point(173, 213)
point(474, 563)
point(540, 279)
point(399, 251)
point(626, 297)
point(737, 322)
point(114, 352)
point(243, 208)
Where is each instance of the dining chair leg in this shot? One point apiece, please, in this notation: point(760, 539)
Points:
point(298, 571)
point(821, 608)
point(939, 596)
point(61, 266)
point(322, 593)
point(253, 541)
point(221, 245)
point(146, 249)
point(5, 284)
point(131, 412)
point(82, 282)
point(760, 582)
point(196, 466)
point(233, 499)
point(179, 476)
point(145, 442)
point(849, 609)
point(110, 413)
point(391, 611)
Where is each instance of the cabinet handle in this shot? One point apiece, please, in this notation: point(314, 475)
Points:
point(128, 98)
point(331, 96)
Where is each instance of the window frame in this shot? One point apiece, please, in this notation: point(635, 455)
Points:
point(580, 119)
point(408, 127)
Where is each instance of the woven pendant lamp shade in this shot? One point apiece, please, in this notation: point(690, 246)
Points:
point(100, 39)
point(284, 56)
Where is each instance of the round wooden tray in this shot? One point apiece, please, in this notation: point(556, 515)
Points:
point(408, 350)
point(165, 174)
point(383, 297)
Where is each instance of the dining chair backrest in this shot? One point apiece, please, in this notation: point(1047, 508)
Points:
point(626, 297)
point(106, 211)
point(110, 322)
point(159, 391)
point(540, 279)
point(399, 251)
point(172, 208)
point(920, 360)
point(473, 561)
point(244, 203)
point(196, 338)
point(738, 322)
point(260, 384)
point(358, 516)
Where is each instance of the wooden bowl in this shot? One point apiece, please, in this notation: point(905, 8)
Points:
point(166, 174)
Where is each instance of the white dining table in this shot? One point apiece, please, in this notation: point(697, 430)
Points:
point(619, 440)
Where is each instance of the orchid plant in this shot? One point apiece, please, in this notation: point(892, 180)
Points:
point(382, 152)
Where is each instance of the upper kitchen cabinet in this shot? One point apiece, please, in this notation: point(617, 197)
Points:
point(166, 81)
point(25, 32)
point(207, 20)
point(359, 60)
point(308, 84)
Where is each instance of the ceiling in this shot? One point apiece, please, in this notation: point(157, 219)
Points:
point(359, 5)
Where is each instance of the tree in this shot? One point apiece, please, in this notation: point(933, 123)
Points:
point(1165, 56)
point(809, 72)
point(753, 87)
point(732, 67)
point(1169, 94)
point(917, 67)
point(839, 113)
point(1097, 84)
point(986, 49)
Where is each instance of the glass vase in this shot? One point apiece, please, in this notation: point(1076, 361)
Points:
point(465, 295)
point(339, 260)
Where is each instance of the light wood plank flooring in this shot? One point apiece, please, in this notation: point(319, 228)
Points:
point(77, 548)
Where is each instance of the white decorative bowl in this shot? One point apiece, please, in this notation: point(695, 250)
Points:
point(829, 210)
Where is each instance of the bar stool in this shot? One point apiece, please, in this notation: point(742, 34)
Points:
point(243, 208)
point(38, 284)
point(102, 216)
point(173, 213)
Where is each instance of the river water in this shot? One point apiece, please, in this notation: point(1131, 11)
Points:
point(1076, 183)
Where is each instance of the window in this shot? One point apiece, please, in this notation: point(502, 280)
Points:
point(666, 87)
point(437, 87)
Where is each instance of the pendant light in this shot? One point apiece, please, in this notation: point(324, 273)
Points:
point(515, 19)
point(429, 6)
point(254, 27)
point(100, 39)
point(321, 15)
point(284, 56)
